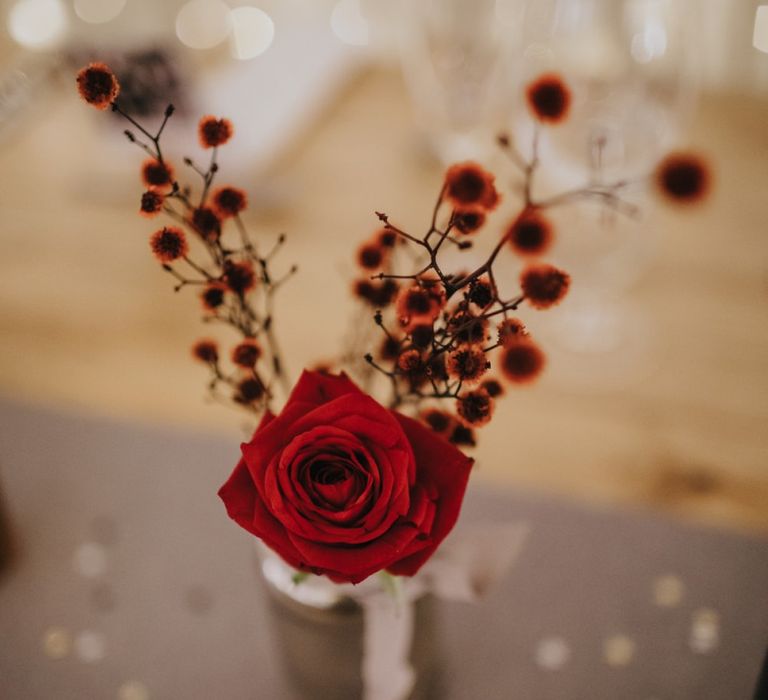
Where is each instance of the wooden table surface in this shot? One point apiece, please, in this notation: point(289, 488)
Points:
point(89, 323)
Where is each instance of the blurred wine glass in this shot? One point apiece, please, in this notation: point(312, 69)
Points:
point(630, 67)
point(456, 58)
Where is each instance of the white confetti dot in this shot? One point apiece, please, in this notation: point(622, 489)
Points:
point(552, 653)
point(133, 690)
point(90, 646)
point(618, 650)
point(90, 560)
point(668, 591)
point(56, 642)
point(705, 631)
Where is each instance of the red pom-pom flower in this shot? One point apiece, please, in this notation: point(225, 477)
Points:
point(549, 98)
point(98, 85)
point(214, 132)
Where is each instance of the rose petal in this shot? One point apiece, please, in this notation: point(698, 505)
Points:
point(238, 494)
point(318, 388)
point(287, 500)
point(244, 506)
point(270, 438)
point(347, 563)
point(298, 418)
point(443, 470)
point(376, 554)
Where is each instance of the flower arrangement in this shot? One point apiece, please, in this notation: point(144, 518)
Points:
point(337, 483)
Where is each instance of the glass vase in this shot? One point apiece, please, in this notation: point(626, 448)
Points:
point(339, 641)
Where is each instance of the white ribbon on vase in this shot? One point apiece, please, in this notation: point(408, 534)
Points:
point(464, 568)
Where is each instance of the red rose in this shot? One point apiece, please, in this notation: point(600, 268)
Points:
point(340, 486)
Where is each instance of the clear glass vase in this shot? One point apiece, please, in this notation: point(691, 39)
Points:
point(338, 642)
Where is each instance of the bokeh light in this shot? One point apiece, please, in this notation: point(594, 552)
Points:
point(618, 650)
point(252, 32)
point(90, 646)
point(552, 653)
point(760, 37)
point(203, 24)
point(348, 23)
point(98, 11)
point(56, 642)
point(133, 690)
point(37, 24)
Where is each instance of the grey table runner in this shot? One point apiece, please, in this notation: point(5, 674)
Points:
point(130, 583)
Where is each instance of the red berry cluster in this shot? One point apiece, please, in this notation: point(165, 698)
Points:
point(208, 248)
point(444, 332)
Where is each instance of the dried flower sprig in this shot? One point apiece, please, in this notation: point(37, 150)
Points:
point(444, 330)
point(236, 283)
point(439, 342)
point(438, 339)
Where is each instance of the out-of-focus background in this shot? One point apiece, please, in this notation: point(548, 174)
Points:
point(656, 390)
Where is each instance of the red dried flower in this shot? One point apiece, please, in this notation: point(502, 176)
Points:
point(390, 348)
point(246, 353)
point(151, 203)
point(463, 435)
point(229, 201)
point(169, 244)
point(377, 294)
point(683, 177)
point(249, 390)
point(530, 233)
point(363, 289)
point(370, 256)
point(440, 421)
point(475, 407)
point(98, 85)
point(522, 361)
point(436, 367)
point(549, 98)
point(239, 276)
point(510, 330)
point(206, 223)
point(493, 387)
point(157, 174)
point(421, 335)
point(467, 329)
point(468, 184)
point(544, 285)
point(481, 292)
point(467, 364)
point(206, 351)
point(384, 292)
point(410, 361)
point(386, 238)
point(419, 302)
point(468, 220)
point(213, 296)
point(214, 132)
